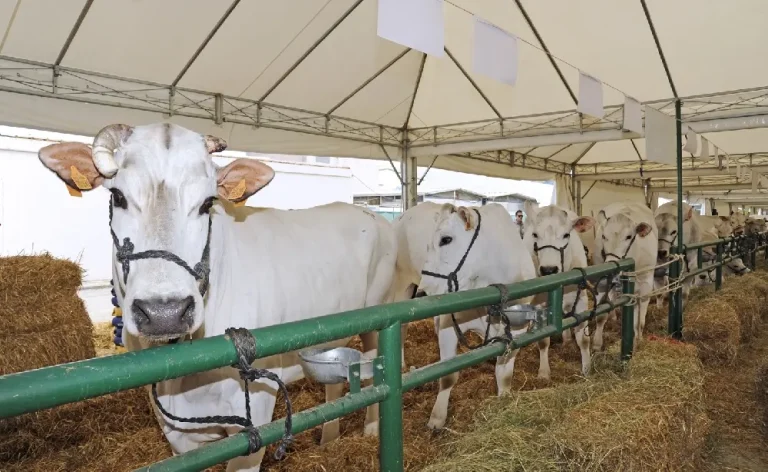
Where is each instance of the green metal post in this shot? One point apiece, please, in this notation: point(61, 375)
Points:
point(677, 328)
point(627, 321)
point(674, 272)
point(391, 409)
point(719, 267)
point(700, 258)
point(555, 314)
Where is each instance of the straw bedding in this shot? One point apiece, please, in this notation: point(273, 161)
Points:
point(649, 418)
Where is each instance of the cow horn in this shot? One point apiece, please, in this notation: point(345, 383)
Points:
point(104, 145)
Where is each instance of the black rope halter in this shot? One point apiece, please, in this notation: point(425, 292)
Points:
point(244, 342)
point(561, 250)
point(125, 254)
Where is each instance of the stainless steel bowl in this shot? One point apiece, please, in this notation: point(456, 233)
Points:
point(519, 315)
point(331, 365)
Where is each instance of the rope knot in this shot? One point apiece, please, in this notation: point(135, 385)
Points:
point(125, 250)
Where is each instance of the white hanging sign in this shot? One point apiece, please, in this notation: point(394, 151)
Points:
point(495, 52)
point(590, 96)
point(692, 142)
point(660, 137)
point(704, 148)
point(418, 24)
point(633, 115)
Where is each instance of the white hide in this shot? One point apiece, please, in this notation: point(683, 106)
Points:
point(497, 256)
point(666, 225)
point(267, 267)
point(553, 230)
point(617, 224)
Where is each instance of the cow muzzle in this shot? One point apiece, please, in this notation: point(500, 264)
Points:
point(163, 319)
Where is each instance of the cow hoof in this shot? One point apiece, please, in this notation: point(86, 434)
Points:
point(436, 424)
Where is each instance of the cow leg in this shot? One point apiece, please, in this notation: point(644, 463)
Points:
point(583, 341)
point(505, 367)
point(567, 336)
point(642, 310)
point(597, 338)
point(448, 344)
point(544, 371)
point(331, 428)
point(370, 350)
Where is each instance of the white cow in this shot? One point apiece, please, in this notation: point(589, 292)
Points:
point(628, 230)
point(497, 256)
point(552, 238)
point(666, 224)
point(267, 266)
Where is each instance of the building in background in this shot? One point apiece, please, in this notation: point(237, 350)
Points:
point(389, 205)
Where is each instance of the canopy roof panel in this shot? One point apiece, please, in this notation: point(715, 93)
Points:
point(310, 76)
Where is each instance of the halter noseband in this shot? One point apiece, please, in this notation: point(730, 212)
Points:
point(453, 278)
point(125, 254)
point(561, 250)
point(606, 254)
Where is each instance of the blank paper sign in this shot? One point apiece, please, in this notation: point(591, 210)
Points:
point(417, 24)
point(660, 137)
point(691, 142)
point(495, 52)
point(590, 96)
point(633, 115)
point(704, 148)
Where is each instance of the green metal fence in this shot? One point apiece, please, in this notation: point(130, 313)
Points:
point(52, 386)
point(729, 249)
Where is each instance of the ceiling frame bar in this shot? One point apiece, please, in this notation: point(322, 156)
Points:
point(474, 84)
point(205, 43)
point(415, 90)
point(310, 50)
point(73, 32)
point(658, 48)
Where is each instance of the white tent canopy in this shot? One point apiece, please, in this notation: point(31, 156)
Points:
point(312, 77)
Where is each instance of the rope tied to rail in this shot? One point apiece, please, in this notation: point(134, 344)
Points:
point(245, 345)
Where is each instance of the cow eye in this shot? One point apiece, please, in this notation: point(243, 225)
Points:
point(445, 240)
point(673, 233)
point(567, 235)
point(118, 199)
point(629, 237)
point(536, 235)
point(206, 206)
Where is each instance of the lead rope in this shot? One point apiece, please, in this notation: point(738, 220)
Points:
point(245, 345)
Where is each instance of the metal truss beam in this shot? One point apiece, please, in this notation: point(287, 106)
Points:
point(50, 81)
point(662, 174)
point(516, 159)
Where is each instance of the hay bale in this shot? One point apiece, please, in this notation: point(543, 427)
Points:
point(649, 418)
point(761, 392)
point(42, 320)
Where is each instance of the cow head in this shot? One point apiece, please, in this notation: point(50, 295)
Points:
point(723, 227)
point(737, 223)
point(163, 186)
point(619, 233)
point(666, 224)
point(455, 230)
point(552, 237)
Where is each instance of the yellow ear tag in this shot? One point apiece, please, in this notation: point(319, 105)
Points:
point(237, 192)
point(73, 191)
point(79, 179)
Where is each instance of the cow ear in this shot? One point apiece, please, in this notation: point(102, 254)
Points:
point(643, 229)
point(214, 144)
point(447, 209)
point(468, 217)
point(583, 224)
point(530, 208)
point(601, 218)
point(73, 163)
point(725, 218)
point(689, 214)
point(242, 178)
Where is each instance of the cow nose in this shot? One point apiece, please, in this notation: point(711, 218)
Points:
point(702, 276)
point(549, 270)
point(158, 317)
point(662, 254)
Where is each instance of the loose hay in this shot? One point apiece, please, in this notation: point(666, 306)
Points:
point(651, 419)
point(715, 328)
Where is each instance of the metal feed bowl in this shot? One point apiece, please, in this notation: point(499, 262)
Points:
point(331, 365)
point(519, 315)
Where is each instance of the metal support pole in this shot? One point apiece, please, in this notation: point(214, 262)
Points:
point(391, 408)
point(578, 198)
point(627, 321)
point(409, 173)
point(719, 269)
point(555, 313)
point(677, 333)
point(700, 258)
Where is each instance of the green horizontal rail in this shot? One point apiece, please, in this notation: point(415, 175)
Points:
point(48, 387)
point(270, 433)
point(237, 445)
